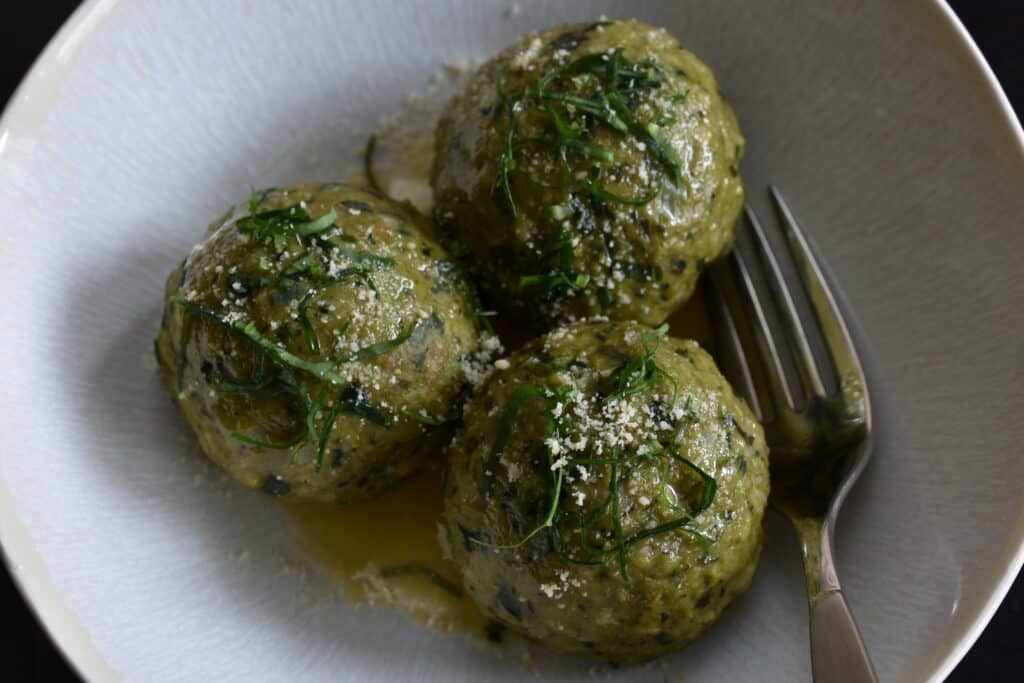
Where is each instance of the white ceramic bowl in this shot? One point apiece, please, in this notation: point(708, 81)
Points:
point(142, 120)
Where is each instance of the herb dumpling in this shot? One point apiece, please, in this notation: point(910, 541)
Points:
point(315, 342)
point(589, 169)
point(606, 493)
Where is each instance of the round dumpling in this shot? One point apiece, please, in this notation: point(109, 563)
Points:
point(315, 342)
point(606, 492)
point(589, 169)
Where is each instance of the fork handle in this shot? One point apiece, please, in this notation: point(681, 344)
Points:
point(838, 654)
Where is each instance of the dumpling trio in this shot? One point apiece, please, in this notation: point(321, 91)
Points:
point(605, 487)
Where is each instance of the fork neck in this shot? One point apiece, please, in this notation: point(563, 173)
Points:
point(816, 545)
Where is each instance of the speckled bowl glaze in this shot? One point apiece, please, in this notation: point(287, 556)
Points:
point(880, 122)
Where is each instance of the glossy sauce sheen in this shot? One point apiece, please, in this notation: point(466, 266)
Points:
point(351, 543)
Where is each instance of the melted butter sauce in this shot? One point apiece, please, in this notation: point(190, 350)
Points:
point(353, 543)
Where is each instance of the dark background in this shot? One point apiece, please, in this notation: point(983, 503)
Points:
point(26, 652)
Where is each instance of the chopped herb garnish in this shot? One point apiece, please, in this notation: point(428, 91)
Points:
point(613, 496)
point(606, 91)
point(364, 258)
point(307, 327)
point(323, 370)
point(351, 400)
point(550, 282)
point(506, 162)
point(572, 102)
point(301, 264)
point(640, 372)
point(555, 425)
point(279, 225)
point(325, 433)
point(378, 349)
point(312, 227)
point(710, 486)
point(635, 375)
point(560, 278)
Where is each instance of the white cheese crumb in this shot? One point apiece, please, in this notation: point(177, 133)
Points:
point(524, 59)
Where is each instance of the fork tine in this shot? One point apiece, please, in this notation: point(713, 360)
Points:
point(806, 366)
point(773, 370)
point(837, 337)
point(730, 349)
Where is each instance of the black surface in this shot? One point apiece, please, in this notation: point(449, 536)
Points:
point(27, 654)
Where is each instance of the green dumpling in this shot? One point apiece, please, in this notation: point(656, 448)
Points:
point(317, 342)
point(589, 169)
point(606, 492)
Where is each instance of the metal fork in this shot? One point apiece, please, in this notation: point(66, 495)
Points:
point(820, 444)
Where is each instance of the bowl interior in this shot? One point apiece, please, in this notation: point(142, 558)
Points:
point(144, 120)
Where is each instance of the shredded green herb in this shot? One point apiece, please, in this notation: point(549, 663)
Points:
point(555, 425)
point(325, 433)
point(279, 225)
point(552, 282)
point(637, 374)
point(351, 400)
point(302, 264)
point(641, 372)
point(613, 496)
point(312, 339)
point(506, 162)
point(316, 225)
point(710, 486)
point(378, 349)
point(606, 90)
point(561, 277)
point(364, 258)
point(573, 101)
point(323, 370)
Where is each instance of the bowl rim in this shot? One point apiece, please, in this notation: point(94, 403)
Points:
point(17, 551)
